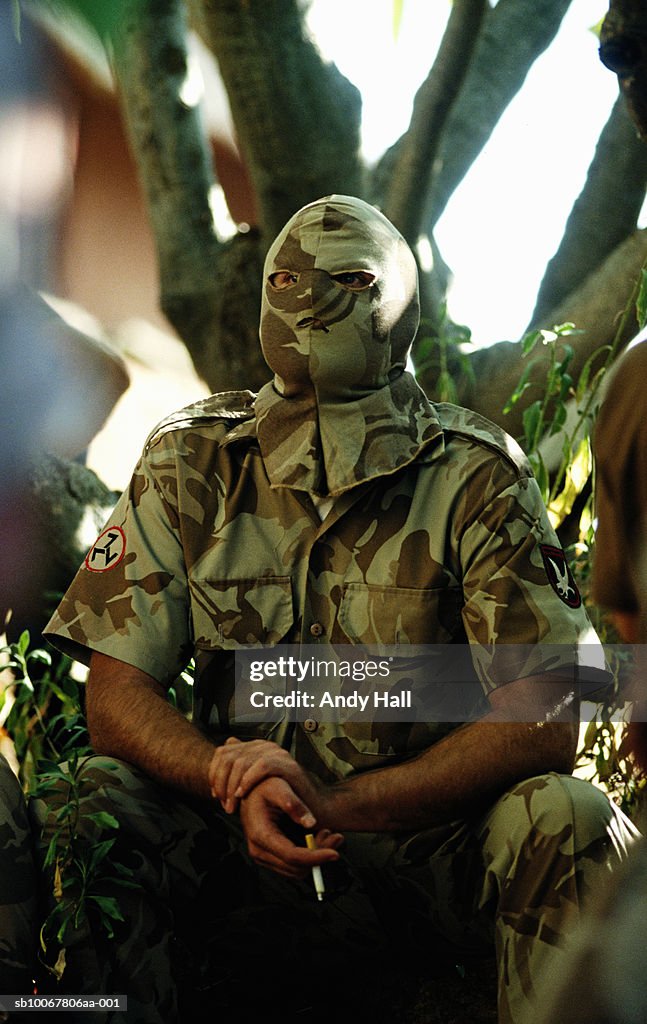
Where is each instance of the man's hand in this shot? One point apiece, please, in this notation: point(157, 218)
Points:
point(237, 767)
point(264, 814)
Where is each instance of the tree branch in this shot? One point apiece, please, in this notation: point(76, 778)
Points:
point(514, 35)
point(209, 291)
point(297, 118)
point(174, 165)
point(407, 196)
point(604, 214)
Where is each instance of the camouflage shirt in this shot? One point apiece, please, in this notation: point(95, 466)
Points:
point(202, 556)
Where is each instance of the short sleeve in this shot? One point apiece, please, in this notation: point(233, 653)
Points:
point(523, 613)
point(129, 599)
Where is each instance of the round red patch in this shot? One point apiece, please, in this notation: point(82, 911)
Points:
point(107, 551)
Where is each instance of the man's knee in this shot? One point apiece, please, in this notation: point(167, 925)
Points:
point(557, 826)
point(562, 805)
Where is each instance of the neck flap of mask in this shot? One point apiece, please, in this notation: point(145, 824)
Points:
point(338, 316)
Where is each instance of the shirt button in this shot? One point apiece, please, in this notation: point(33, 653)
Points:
point(310, 725)
point(316, 629)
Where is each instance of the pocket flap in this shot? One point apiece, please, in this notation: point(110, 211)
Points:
point(399, 615)
point(235, 613)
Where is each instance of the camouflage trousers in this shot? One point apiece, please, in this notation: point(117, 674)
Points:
point(17, 889)
point(202, 915)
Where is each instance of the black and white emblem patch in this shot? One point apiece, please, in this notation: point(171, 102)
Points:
point(107, 551)
point(560, 576)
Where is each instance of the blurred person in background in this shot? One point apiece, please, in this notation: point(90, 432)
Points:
point(603, 981)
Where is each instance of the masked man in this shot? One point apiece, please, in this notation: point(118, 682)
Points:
point(338, 505)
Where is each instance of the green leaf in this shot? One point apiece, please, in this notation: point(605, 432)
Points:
point(566, 385)
point(24, 690)
point(641, 301)
point(103, 818)
point(567, 358)
point(50, 856)
point(597, 28)
point(532, 418)
point(446, 387)
point(523, 385)
point(108, 905)
point(565, 329)
point(590, 734)
point(559, 419)
point(41, 656)
point(582, 464)
point(65, 812)
point(577, 473)
point(103, 17)
point(541, 473)
point(99, 852)
point(529, 341)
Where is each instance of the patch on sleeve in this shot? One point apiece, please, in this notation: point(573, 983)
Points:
point(107, 551)
point(560, 576)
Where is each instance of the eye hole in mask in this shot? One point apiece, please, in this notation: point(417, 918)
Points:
point(351, 280)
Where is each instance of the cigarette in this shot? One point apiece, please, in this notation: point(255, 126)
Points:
point(317, 876)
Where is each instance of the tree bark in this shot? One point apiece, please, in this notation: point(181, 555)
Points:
point(411, 174)
point(210, 291)
point(297, 118)
point(605, 213)
point(175, 169)
point(623, 49)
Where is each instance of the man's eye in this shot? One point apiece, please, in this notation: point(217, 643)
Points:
point(283, 279)
point(356, 280)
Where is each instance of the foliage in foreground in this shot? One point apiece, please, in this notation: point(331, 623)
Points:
point(42, 711)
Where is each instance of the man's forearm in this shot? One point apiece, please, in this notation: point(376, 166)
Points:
point(130, 718)
point(532, 729)
point(459, 776)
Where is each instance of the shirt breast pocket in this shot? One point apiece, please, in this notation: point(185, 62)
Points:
point(228, 614)
point(384, 616)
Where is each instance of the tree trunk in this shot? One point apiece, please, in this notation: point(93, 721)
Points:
point(407, 197)
point(176, 176)
point(512, 36)
point(297, 118)
point(515, 33)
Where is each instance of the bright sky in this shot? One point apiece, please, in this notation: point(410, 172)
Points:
point(507, 217)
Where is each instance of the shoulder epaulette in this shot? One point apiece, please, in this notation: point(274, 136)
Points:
point(226, 407)
point(476, 428)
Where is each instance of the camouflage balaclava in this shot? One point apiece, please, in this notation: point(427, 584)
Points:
point(338, 316)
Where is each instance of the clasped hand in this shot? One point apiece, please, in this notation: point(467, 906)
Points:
point(267, 784)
